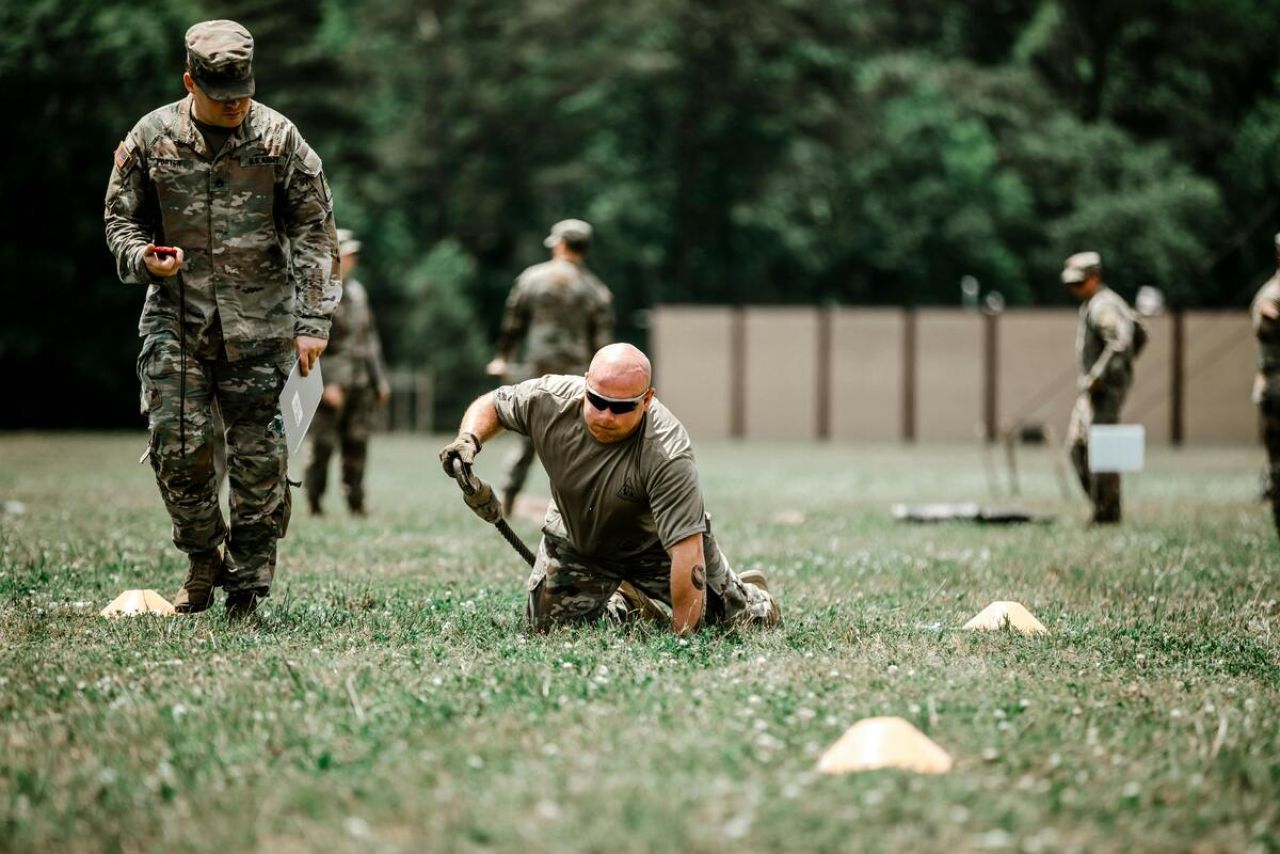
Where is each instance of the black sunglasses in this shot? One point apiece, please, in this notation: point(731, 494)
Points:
point(617, 407)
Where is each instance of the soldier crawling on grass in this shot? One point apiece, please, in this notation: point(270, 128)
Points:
point(250, 280)
point(626, 520)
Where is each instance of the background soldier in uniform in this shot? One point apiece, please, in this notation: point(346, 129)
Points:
point(355, 384)
point(232, 185)
point(562, 314)
point(1105, 349)
point(1265, 313)
point(626, 503)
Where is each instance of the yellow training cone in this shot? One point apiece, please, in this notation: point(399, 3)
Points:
point(133, 602)
point(999, 614)
point(874, 743)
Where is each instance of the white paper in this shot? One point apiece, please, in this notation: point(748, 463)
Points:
point(298, 403)
point(1116, 447)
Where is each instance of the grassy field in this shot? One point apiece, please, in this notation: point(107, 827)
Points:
point(389, 697)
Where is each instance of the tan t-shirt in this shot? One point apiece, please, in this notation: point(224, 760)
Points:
point(608, 501)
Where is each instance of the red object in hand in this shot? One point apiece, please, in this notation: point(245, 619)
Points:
point(164, 251)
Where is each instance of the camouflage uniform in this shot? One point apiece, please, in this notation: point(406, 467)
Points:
point(1266, 386)
point(567, 587)
point(1104, 348)
point(616, 510)
point(352, 361)
point(562, 313)
point(255, 221)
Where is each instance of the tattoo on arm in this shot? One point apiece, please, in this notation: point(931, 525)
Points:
point(699, 577)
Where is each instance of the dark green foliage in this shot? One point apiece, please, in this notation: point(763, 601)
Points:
point(756, 152)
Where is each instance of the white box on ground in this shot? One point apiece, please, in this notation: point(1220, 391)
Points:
point(1116, 447)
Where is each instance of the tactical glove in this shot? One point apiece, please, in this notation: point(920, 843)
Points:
point(480, 498)
point(464, 450)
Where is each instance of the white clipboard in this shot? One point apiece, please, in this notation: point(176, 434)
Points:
point(298, 403)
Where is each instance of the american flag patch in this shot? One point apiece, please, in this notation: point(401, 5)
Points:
point(122, 156)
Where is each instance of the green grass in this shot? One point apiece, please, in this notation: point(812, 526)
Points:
point(390, 698)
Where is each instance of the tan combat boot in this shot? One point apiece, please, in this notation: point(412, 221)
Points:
point(196, 593)
point(639, 605)
point(756, 578)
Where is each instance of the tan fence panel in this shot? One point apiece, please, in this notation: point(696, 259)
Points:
point(866, 374)
point(1220, 364)
point(1037, 368)
point(948, 375)
point(781, 373)
point(691, 349)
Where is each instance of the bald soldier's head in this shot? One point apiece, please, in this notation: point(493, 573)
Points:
point(618, 392)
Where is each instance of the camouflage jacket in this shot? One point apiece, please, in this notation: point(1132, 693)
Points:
point(255, 223)
point(1104, 341)
point(1267, 330)
point(353, 358)
point(562, 313)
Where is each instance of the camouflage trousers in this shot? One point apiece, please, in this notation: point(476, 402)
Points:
point(517, 465)
point(566, 587)
point(182, 447)
point(346, 428)
point(1269, 415)
point(1096, 407)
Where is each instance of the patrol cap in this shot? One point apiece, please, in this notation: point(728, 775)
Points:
point(220, 57)
point(1079, 266)
point(347, 243)
point(572, 230)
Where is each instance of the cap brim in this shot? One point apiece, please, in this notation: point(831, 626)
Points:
point(552, 240)
point(226, 90)
point(1073, 277)
point(349, 247)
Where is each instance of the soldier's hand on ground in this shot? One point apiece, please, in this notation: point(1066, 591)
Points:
point(384, 391)
point(464, 450)
point(496, 368)
point(163, 266)
point(308, 350)
point(333, 396)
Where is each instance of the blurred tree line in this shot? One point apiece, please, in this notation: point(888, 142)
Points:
point(760, 151)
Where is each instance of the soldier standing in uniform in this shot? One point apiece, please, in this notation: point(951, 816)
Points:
point(562, 314)
point(1265, 313)
point(626, 503)
point(355, 384)
point(1105, 350)
point(231, 185)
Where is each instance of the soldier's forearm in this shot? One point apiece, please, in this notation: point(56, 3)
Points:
point(481, 419)
point(1103, 363)
point(688, 585)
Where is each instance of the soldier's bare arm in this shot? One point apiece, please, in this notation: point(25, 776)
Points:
point(481, 419)
point(688, 584)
